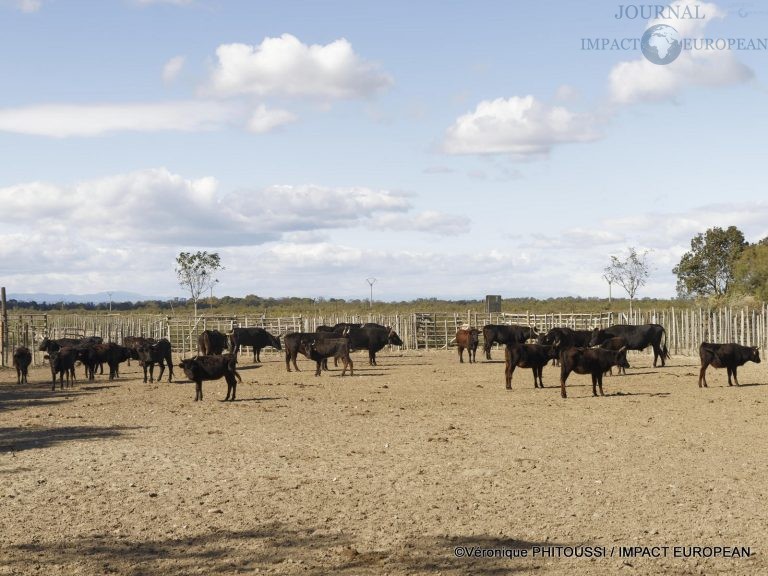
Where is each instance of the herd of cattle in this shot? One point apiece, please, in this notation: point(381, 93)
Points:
point(211, 363)
point(594, 352)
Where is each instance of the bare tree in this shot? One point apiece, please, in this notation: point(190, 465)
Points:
point(630, 273)
point(196, 272)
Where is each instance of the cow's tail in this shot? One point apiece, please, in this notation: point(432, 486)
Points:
point(237, 375)
point(664, 351)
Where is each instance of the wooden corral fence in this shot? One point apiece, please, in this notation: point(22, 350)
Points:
point(686, 328)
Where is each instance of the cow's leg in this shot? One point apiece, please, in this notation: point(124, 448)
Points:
point(371, 357)
point(702, 376)
point(461, 355)
point(600, 384)
point(735, 378)
point(198, 390)
point(509, 371)
point(563, 377)
point(319, 367)
point(144, 366)
point(162, 369)
point(487, 350)
point(728, 370)
point(287, 360)
point(231, 384)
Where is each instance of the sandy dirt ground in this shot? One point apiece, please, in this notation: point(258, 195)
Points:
point(390, 471)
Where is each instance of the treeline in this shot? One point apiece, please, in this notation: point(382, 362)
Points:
point(288, 306)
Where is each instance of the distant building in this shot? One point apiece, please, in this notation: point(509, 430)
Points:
point(492, 304)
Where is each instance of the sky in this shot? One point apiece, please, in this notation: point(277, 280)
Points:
point(447, 149)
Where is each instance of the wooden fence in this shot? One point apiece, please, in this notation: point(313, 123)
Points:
point(686, 328)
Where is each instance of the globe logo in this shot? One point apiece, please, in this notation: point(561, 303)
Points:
point(661, 44)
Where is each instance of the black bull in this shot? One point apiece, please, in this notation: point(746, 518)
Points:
point(257, 338)
point(505, 334)
point(728, 356)
point(373, 339)
point(637, 337)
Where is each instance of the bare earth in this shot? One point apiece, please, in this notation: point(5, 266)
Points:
point(386, 472)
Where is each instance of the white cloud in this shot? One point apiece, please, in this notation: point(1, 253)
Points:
point(264, 120)
point(174, 2)
point(172, 69)
point(64, 120)
point(518, 126)
point(642, 81)
point(285, 66)
point(428, 221)
point(156, 207)
point(29, 5)
point(125, 230)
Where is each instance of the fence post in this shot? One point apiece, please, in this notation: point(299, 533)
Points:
point(3, 328)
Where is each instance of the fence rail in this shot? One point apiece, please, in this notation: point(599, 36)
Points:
point(686, 328)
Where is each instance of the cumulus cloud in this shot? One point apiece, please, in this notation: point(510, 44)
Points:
point(126, 229)
point(518, 126)
point(278, 67)
point(285, 66)
point(64, 120)
point(172, 69)
point(156, 206)
point(642, 81)
point(264, 120)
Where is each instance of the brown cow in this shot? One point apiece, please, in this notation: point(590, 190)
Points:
point(469, 339)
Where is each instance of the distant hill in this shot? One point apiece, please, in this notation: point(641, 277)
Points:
point(96, 298)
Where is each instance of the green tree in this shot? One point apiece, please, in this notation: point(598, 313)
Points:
point(750, 271)
point(630, 273)
point(196, 272)
point(707, 269)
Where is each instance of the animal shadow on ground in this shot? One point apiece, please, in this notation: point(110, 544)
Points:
point(15, 397)
point(269, 547)
point(16, 439)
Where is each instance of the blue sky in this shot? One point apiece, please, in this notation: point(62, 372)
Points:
point(449, 149)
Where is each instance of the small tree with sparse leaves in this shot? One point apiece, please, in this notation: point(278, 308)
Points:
point(196, 272)
point(630, 273)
